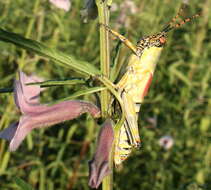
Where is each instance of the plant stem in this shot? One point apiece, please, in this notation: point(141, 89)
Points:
point(103, 13)
point(104, 52)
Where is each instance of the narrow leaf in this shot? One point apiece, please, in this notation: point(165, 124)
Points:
point(6, 90)
point(50, 83)
point(22, 184)
point(117, 63)
point(81, 93)
point(55, 55)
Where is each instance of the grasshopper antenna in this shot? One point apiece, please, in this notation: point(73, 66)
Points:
point(171, 25)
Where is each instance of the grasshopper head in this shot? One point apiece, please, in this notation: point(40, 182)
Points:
point(157, 40)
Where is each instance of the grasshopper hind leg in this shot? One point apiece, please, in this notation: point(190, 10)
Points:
point(123, 147)
point(131, 124)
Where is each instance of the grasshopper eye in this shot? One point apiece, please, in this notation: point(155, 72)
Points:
point(162, 40)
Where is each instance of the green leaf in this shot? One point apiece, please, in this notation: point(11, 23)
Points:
point(55, 55)
point(81, 93)
point(50, 83)
point(22, 184)
point(117, 63)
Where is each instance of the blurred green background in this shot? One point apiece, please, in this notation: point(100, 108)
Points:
point(178, 103)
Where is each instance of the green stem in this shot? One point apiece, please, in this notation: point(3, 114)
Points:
point(103, 13)
point(104, 52)
point(111, 88)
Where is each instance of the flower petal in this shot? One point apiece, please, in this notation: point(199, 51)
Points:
point(26, 95)
point(44, 115)
point(20, 100)
point(20, 133)
point(166, 142)
point(30, 92)
point(99, 166)
point(62, 4)
point(37, 115)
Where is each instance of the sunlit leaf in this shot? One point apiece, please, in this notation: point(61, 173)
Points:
point(55, 55)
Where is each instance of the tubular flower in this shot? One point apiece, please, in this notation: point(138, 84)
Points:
point(36, 115)
point(99, 165)
point(62, 4)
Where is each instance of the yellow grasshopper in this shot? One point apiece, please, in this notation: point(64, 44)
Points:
point(134, 84)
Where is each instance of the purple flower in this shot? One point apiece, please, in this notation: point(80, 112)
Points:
point(37, 115)
point(62, 4)
point(99, 166)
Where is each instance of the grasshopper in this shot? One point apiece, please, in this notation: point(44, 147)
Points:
point(134, 84)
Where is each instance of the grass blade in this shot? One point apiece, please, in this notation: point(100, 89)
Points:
point(22, 184)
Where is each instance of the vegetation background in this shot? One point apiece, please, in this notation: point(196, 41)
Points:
point(178, 103)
